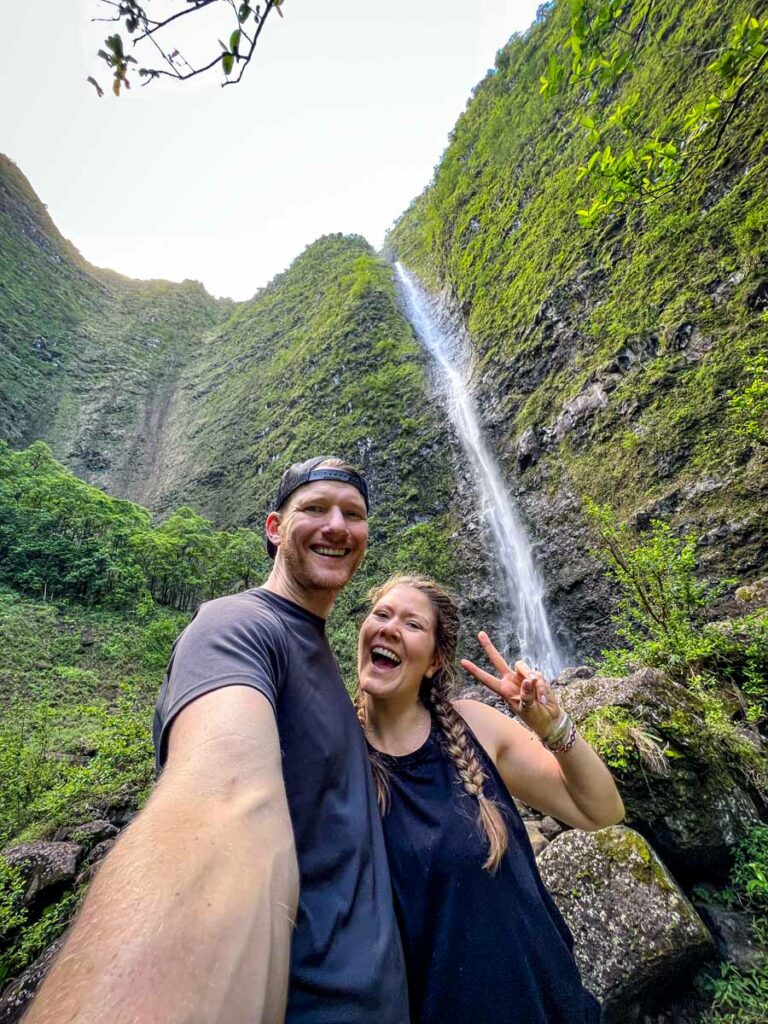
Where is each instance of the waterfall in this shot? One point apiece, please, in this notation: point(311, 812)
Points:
point(524, 625)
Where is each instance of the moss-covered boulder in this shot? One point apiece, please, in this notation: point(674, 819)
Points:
point(633, 928)
point(685, 781)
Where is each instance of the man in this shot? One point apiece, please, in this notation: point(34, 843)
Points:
point(190, 918)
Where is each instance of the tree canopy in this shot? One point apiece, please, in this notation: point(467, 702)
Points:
point(154, 51)
point(62, 538)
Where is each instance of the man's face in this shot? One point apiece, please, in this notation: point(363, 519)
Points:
point(323, 532)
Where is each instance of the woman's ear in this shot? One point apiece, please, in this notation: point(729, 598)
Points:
point(433, 667)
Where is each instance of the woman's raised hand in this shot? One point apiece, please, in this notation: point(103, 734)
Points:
point(525, 690)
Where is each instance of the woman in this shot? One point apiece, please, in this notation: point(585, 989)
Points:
point(483, 940)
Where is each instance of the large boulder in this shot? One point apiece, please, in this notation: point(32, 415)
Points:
point(47, 867)
point(677, 776)
point(632, 926)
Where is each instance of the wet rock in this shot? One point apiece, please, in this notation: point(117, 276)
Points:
point(633, 928)
point(528, 449)
point(678, 784)
point(46, 867)
point(18, 995)
point(734, 935)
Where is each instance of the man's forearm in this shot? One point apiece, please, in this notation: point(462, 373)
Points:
point(189, 919)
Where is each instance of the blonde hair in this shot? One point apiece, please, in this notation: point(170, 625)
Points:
point(437, 692)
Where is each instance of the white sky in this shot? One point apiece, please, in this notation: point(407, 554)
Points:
point(336, 126)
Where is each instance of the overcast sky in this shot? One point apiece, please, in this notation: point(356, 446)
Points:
point(336, 126)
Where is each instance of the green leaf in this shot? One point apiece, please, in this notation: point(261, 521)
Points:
point(227, 62)
point(234, 40)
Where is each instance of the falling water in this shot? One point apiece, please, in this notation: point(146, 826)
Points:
point(523, 613)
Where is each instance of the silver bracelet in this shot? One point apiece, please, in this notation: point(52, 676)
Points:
point(562, 736)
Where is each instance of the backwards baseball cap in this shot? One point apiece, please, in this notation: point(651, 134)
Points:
point(308, 472)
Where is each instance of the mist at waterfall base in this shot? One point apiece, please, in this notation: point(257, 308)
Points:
point(524, 626)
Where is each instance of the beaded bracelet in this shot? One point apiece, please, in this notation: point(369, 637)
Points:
point(562, 737)
point(564, 747)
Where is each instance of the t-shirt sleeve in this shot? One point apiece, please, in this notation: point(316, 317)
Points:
point(226, 644)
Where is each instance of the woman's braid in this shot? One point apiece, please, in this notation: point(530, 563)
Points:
point(461, 750)
point(459, 744)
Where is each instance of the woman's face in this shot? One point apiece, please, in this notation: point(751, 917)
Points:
point(396, 646)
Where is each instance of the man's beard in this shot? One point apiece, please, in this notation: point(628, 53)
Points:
point(300, 570)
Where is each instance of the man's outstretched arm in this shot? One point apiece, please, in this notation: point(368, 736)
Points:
point(190, 916)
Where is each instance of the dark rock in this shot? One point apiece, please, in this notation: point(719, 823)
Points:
point(681, 337)
point(46, 867)
point(677, 783)
point(757, 299)
point(528, 449)
point(721, 291)
point(734, 935)
point(87, 835)
point(550, 827)
point(580, 409)
point(580, 672)
point(119, 809)
point(99, 852)
point(632, 926)
point(18, 995)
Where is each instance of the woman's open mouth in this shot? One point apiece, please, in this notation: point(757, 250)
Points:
point(384, 658)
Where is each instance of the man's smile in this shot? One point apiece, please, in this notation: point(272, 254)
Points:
point(330, 552)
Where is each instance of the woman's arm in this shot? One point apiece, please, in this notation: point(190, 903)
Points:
point(190, 917)
point(573, 786)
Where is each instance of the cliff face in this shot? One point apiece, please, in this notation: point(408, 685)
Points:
point(608, 358)
point(88, 356)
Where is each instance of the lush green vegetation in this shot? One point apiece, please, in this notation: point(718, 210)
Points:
point(741, 996)
point(660, 307)
point(87, 355)
point(62, 538)
point(606, 41)
point(664, 617)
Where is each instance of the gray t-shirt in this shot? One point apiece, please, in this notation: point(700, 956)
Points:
point(346, 960)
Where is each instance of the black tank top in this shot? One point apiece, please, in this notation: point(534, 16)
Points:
point(479, 948)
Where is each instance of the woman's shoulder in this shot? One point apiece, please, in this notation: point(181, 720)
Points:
point(494, 730)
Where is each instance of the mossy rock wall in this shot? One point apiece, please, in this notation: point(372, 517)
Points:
point(606, 358)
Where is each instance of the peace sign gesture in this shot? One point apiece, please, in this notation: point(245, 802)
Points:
point(525, 690)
